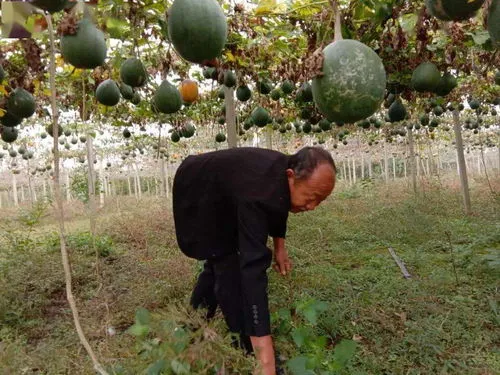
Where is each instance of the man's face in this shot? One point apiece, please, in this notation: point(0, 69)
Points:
point(306, 194)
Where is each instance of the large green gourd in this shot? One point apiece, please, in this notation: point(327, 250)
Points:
point(133, 72)
point(197, 29)
point(453, 10)
point(446, 84)
point(353, 82)
point(8, 119)
point(21, 103)
point(425, 77)
point(9, 134)
point(260, 117)
point(87, 48)
point(108, 93)
point(167, 99)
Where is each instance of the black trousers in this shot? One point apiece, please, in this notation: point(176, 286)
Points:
point(219, 284)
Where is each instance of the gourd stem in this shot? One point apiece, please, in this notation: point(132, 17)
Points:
point(338, 23)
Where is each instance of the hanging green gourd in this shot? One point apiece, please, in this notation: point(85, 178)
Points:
point(352, 81)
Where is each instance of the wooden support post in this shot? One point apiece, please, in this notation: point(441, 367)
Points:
point(393, 167)
point(129, 186)
point(370, 166)
point(22, 193)
point(232, 136)
point(354, 169)
point(461, 162)
point(362, 166)
point(386, 164)
point(68, 187)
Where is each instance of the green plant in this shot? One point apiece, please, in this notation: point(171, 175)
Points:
point(79, 185)
point(315, 355)
point(32, 216)
point(83, 242)
point(168, 346)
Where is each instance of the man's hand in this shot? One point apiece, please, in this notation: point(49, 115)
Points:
point(264, 351)
point(282, 263)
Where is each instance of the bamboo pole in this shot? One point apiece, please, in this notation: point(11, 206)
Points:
point(58, 195)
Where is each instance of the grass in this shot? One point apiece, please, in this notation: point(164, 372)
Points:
point(429, 324)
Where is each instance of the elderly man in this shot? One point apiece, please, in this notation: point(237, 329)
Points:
point(226, 204)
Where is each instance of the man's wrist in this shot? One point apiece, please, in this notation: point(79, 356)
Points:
point(279, 244)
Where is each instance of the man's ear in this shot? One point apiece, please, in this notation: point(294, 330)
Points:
point(290, 173)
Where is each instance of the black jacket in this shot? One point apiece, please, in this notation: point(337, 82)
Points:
point(231, 201)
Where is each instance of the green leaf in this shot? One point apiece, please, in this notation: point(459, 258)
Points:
point(142, 316)
point(265, 6)
point(408, 23)
point(299, 336)
point(285, 314)
point(181, 340)
point(180, 367)
point(362, 12)
point(344, 351)
point(117, 28)
point(164, 28)
point(157, 367)
point(480, 37)
point(311, 309)
point(298, 366)
point(138, 330)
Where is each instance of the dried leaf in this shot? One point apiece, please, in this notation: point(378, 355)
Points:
point(314, 64)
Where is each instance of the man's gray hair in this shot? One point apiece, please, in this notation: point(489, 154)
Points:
point(304, 162)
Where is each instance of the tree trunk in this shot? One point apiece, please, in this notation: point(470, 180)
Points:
point(232, 137)
point(461, 163)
